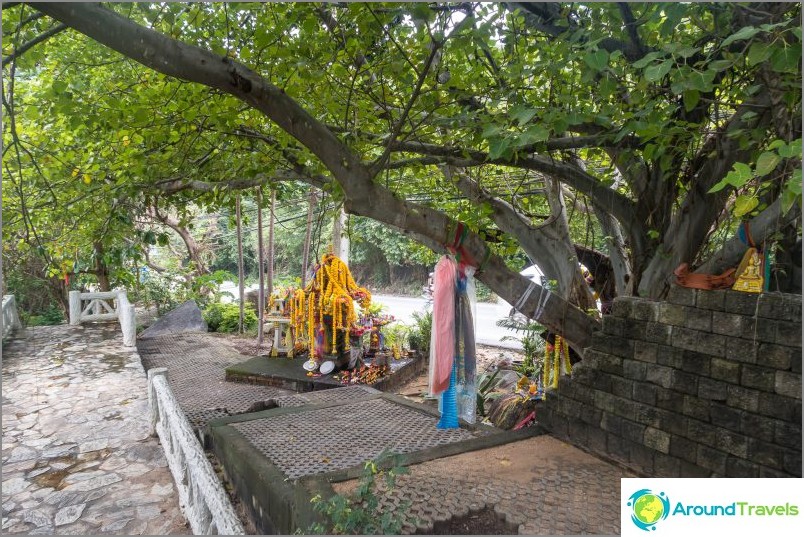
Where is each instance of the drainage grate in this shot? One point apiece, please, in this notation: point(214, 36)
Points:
point(345, 436)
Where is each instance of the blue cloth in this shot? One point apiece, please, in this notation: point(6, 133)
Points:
point(449, 404)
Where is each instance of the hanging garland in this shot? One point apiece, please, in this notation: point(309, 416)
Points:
point(331, 292)
point(554, 355)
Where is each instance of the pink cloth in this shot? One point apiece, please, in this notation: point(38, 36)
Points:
point(442, 349)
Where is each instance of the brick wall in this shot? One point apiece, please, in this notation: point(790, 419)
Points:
point(705, 384)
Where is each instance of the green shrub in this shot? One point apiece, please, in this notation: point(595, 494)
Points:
point(226, 317)
point(419, 335)
point(360, 514)
point(51, 315)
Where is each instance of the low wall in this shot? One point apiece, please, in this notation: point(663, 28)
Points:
point(705, 384)
point(202, 498)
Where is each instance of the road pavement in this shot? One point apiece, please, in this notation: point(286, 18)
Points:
point(488, 333)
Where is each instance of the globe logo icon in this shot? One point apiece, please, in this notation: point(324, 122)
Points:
point(648, 508)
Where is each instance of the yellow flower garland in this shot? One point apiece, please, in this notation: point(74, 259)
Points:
point(551, 369)
point(332, 292)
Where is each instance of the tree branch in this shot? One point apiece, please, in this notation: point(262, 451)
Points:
point(761, 226)
point(47, 34)
point(171, 186)
point(617, 204)
point(363, 195)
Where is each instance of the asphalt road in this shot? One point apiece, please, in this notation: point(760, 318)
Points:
point(488, 333)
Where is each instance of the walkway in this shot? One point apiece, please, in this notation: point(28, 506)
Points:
point(77, 457)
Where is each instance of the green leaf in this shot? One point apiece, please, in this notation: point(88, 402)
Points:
point(786, 59)
point(657, 72)
point(647, 59)
point(490, 131)
point(744, 205)
point(758, 53)
point(766, 163)
point(597, 60)
point(522, 114)
point(498, 147)
point(691, 98)
point(737, 177)
point(791, 150)
point(742, 34)
point(720, 65)
point(534, 134)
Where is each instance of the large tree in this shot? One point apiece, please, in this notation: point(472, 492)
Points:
point(669, 122)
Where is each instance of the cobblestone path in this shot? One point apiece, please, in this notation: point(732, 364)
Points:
point(76, 454)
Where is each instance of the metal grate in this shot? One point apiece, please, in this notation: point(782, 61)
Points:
point(196, 366)
point(333, 395)
point(344, 436)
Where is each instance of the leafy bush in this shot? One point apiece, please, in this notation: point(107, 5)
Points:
point(226, 317)
point(419, 335)
point(360, 514)
point(532, 344)
point(51, 315)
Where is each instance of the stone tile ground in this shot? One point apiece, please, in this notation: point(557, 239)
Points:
point(77, 457)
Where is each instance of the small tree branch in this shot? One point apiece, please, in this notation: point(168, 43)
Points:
point(22, 49)
point(761, 226)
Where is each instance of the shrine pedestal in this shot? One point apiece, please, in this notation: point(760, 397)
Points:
point(290, 375)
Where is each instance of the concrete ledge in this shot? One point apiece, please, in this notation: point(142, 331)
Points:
point(279, 504)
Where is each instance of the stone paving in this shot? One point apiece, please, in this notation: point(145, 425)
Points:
point(538, 486)
point(77, 457)
point(196, 364)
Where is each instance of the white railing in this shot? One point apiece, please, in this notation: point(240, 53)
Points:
point(201, 497)
point(105, 306)
point(11, 320)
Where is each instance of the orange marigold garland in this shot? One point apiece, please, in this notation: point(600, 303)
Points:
point(331, 292)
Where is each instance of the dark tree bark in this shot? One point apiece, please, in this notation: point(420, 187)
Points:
point(307, 237)
point(260, 270)
point(240, 275)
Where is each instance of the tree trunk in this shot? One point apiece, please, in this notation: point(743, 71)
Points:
point(193, 249)
point(239, 264)
point(307, 237)
point(101, 270)
point(618, 253)
point(270, 274)
point(340, 237)
point(261, 271)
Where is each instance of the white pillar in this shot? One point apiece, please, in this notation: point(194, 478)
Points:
point(340, 237)
point(128, 320)
point(75, 308)
point(153, 401)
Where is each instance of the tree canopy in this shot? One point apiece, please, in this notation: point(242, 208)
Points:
point(668, 123)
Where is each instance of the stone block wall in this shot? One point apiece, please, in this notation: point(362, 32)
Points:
point(707, 383)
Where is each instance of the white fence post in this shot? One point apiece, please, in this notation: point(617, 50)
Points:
point(128, 320)
point(10, 318)
point(75, 308)
point(153, 401)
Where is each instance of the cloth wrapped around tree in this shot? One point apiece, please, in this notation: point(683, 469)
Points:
point(452, 347)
